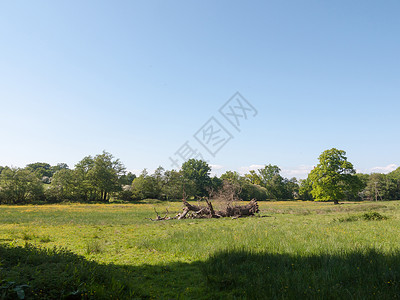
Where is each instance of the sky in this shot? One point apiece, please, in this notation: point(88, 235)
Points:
point(156, 82)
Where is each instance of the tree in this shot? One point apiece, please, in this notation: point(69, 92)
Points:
point(98, 177)
point(233, 177)
point(84, 189)
point(104, 175)
point(64, 186)
point(127, 179)
point(249, 185)
point(173, 187)
point(394, 177)
point(275, 185)
point(253, 177)
point(40, 169)
point(252, 191)
point(19, 186)
point(333, 178)
point(58, 167)
point(197, 172)
point(305, 189)
point(144, 187)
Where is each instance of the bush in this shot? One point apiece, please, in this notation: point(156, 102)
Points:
point(373, 216)
point(368, 216)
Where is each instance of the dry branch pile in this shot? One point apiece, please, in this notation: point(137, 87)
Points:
point(191, 211)
point(227, 196)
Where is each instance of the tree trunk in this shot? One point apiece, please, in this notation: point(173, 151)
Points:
point(230, 211)
point(335, 202)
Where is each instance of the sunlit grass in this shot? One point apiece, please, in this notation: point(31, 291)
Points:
point(165, 256)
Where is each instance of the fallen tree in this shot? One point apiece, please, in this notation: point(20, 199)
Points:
point(191, 211)
point(194, 211)
point(226, 198)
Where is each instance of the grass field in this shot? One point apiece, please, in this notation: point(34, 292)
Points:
point(291, 250)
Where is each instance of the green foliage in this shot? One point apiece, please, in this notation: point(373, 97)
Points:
point(98, 177)
point(333, 178)
point(58, 167)
point(59, 274)
point(196, 172)
point(40, 169)
point(367, 216)
point(10, 290)
point(144, 187)
point(373, 216)
point(231, 176)
point(19, 186)
point(174, 185)
point(275, 185)
point(305, 188)
point(252, 191)
point(378, 186)
point(127, 179)
point(64, 186)
point(102, 179)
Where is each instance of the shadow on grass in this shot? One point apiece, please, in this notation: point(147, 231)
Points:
point(60, 274)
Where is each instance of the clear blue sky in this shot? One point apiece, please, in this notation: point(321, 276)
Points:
point(139, 78)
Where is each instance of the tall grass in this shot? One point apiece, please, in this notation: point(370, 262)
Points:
point(293, 249)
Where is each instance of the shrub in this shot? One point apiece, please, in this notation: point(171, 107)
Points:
point(373, 216)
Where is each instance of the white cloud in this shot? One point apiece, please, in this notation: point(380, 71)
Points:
point(244, 170)
point(299, 172)
point(216, 167)
point(385, 170)
point(216, 170)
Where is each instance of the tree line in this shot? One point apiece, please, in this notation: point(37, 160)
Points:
point(102, 178)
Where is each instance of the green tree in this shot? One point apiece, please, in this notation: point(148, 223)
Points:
point(64, 186)
point(40, 169)
point(127, 179)
point(197, 172)
point(231, 176)
point(253, 177)
point(305, 188)
point(173, 187)
point(98, 177)
point(84, 189)
point(58, 167)
point(144, 187)
point(333, 178)
point(19, 186)
point(275, 185)
point(252, 191)
point(104, 175)
point(394, 177)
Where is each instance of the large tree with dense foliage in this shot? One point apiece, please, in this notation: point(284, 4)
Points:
point(40, 169)
point(18, 186)
point(334, 177)
point(98, 176)
point(104, 175)
point(64, 186)
point(197, 172)
point(276, 186)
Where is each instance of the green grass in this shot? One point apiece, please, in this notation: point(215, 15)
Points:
point(292, 249)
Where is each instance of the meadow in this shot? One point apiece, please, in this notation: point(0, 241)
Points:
point(292, 249)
